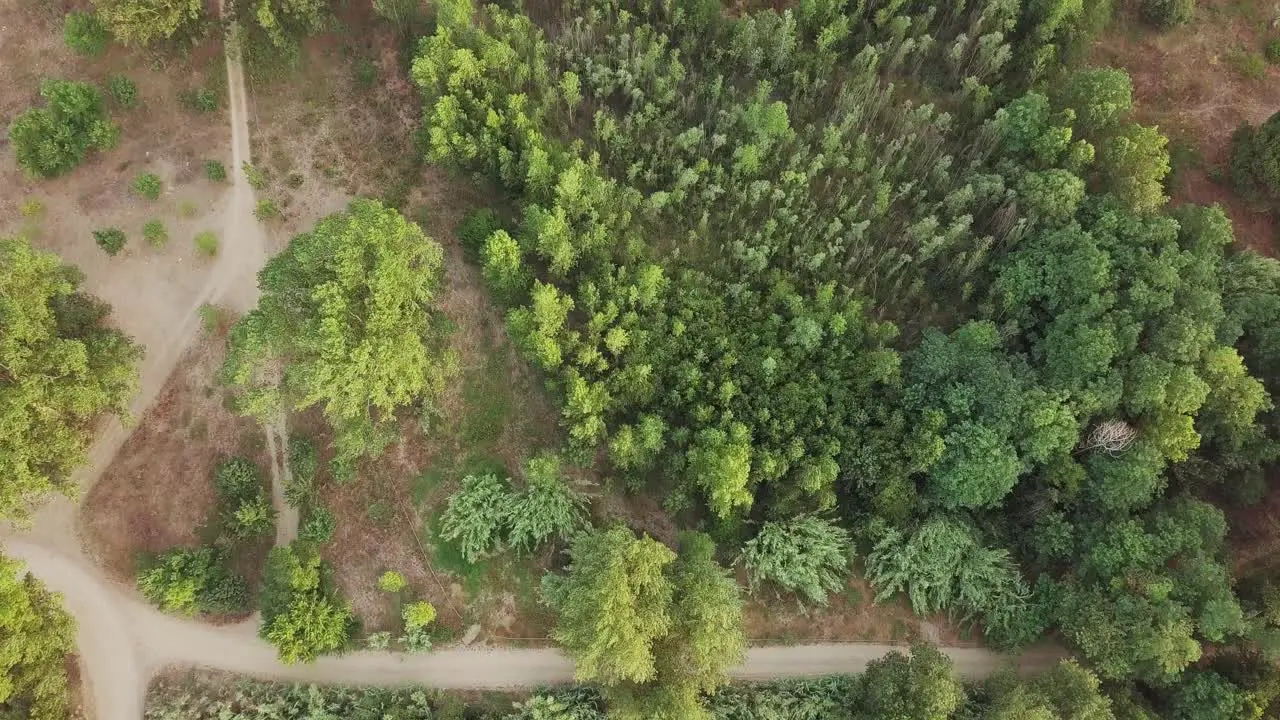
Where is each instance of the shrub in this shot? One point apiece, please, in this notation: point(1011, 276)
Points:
point(474, 232)
point(266, 209)
point(304, 462)
point(319, 526)
point(191, 580)
point(504, 268)
point(391, 582)
point(295, 180)
point(301, 612)
point(1272, 51)
point(417, 617)
point(32, 209)
point(199, 100)
point(807, 555)
point(148, 185)
point(253, 517)
point(257, 178)
point(1255, 159)
point(477, 516)
point(215, 171)
point(1249, 64)
point(85, 34)
point(123, 91)
point(111, 240)
point(237, 479)
point(139, 23)
point(207, 243)
point(1167, 14)
point(52, 140)
point(155, 233)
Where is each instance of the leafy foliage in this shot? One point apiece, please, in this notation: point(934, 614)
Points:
point(52, 140)
point(1168, 13)
point(477, 516)
point(63, 367)
point(85, 34)
point(193, 580)
point(344, 322)
point(123, 91)
point(806, 554)
point(549, 508)
point(1255, 159)
point(36, 635)
point(111, 239)
point(142, 22)
point(302, 614)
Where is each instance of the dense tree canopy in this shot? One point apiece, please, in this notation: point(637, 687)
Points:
point(142, 22)
point(61, 367)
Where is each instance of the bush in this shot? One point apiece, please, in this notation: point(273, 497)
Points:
point(215, 171)
point(237, 479)
point(257, 178)
point(85, 34)
point(266, 209)
point(474, 232)
point(1255, 159)
point(477, 516)
point(52, 140)
point(417, 617)
point(319, 526)
point(301, 612)
point(1272, 51)
point(187, 581)
point(155, 233)
point(32, 209)
point(111, 240)
point(207, 243)
point(199, 100)
point(148, 185)
point(123, 91)
point(1167, 14)
point(391, 582)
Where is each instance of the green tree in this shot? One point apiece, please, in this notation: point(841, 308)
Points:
point(1134, 164)
point(36, 636)
point(1255, 159)
point(1168, 13)
point(1101, 98)
point(61, 368)
point(284, 20)
point(504, 268)
point(52, 140)
point(1206, 695)
point(613, 603)
point(916, 687)
point(345, 321)
point(720, 464)
point(141, 22)
point(806, 554)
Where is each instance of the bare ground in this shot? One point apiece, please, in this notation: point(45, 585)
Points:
point(1189, 81)
point(158, 491)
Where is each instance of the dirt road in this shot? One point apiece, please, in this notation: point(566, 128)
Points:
point(124, 642)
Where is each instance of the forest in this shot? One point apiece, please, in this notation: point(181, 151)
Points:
point(879, 287)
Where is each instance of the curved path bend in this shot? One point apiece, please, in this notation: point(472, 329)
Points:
point(123, 642)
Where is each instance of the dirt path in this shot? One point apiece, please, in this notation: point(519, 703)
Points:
point(124, 642)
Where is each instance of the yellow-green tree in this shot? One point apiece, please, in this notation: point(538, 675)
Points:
point(60, 369)
point(36, 635)
point(141, 22)
point(345, 322)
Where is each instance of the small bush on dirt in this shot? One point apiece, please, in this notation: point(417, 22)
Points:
point(256, 177)
point(319, 526)
point(304, 463)
point(239, 486)
point(191, 580)
point(252, 518)
point(1273, 51)
point(474, 232)
point(215, 171)
point(155, 233)
point(266, 209)
point(1255, 159)
point(123, 91)
point(187, 209)
point(211, 317)
point(111, 240)
point(1167, 14)
point(207, 243)
point(147, 185)
point(417, 617)
point(1249, 64)
point(199, 100)
point(85, 34)
point(295, 180)
point(52, 140)
point(391, 582)
point(32, 209)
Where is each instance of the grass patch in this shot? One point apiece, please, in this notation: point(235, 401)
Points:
point(486, 395)
point(207, 243)
point(155, 233)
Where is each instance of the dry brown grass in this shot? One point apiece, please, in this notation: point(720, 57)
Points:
point(1189, 82)
point(158, 491)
